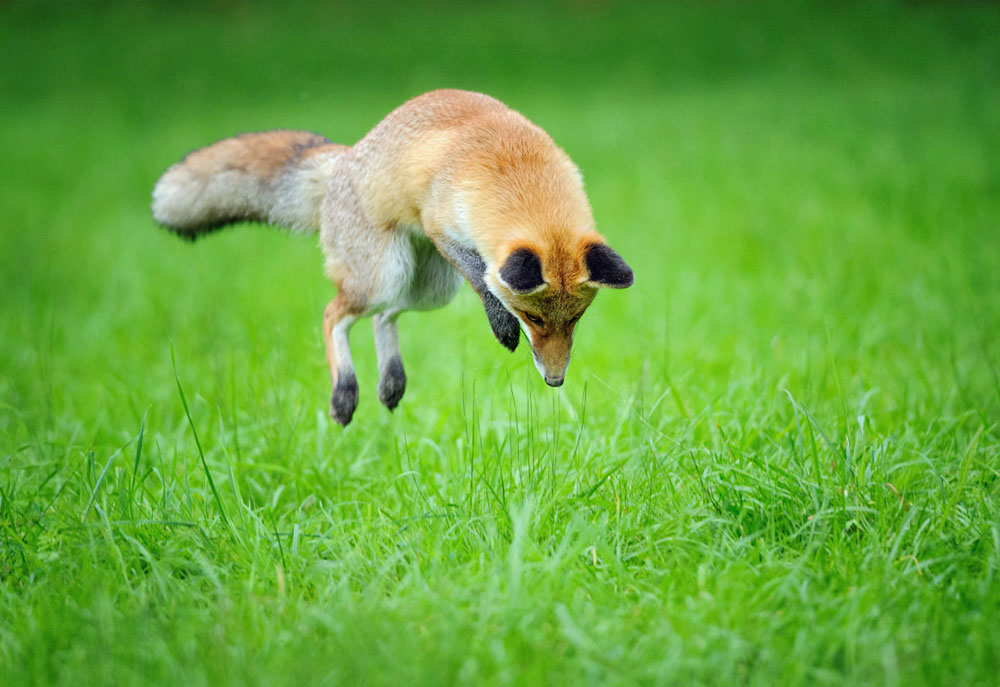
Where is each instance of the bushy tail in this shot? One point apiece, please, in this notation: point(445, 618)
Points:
point(277, 177)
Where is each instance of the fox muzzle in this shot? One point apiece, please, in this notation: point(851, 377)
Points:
point(554, 375)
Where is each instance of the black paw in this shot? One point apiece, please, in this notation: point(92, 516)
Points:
point(345, 398)
point(392, 384)
point(505, 326)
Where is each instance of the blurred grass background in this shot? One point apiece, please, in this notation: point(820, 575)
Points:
point(775, 459)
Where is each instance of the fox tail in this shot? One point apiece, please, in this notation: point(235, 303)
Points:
point(276, 177)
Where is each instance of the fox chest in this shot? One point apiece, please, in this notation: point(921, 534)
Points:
point(415, 276)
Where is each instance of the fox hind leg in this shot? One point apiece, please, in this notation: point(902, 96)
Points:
point(391, 376)
point(337, 321)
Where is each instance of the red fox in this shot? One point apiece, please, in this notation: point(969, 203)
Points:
point(449, 184)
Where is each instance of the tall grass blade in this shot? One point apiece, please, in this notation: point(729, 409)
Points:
point(201, 453)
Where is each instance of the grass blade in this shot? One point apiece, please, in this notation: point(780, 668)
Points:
point(201, 453)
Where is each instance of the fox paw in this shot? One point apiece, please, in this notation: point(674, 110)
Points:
point(344, 399)
point(392, 384)
point(505, 326)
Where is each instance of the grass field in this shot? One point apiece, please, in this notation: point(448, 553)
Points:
point(776, 459)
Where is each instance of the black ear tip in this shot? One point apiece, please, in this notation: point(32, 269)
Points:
point(608, 268)
point(628, 278)
point(522, 272)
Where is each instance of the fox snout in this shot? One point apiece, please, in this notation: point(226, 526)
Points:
point(552, 358)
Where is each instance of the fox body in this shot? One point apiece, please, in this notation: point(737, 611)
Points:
point(451, 184)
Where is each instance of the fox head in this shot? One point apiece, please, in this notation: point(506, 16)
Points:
point(549, 290)
point(538, 260)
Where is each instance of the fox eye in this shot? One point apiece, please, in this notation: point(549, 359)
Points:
point(574, 319)
point(534, 319)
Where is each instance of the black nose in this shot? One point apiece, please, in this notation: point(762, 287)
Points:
point(554, 381)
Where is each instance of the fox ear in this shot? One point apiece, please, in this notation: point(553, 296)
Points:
point(522, 273)
point(606, 267)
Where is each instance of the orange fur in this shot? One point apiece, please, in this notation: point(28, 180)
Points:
point(449, 180)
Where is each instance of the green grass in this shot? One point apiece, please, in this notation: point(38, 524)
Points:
point(776, 459)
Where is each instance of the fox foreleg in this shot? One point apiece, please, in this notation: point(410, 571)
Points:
point(337, 320)
point(391, 377)
point(505, 326)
